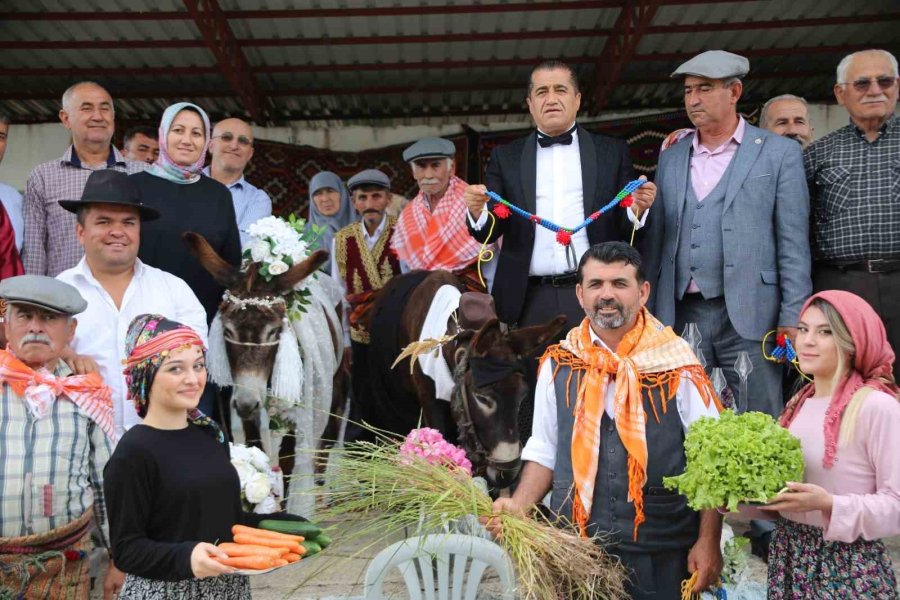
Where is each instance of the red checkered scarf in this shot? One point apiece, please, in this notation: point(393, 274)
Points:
point(436, 240)
point(40, 389)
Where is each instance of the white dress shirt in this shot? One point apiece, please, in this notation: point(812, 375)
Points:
point(559, 197)
point(102, 327)
point(370, 240)
point(541, 446)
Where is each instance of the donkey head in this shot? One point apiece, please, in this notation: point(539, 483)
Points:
point(494, 388)
point(253, 314)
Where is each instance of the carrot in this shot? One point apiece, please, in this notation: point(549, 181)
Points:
point(236, 529)
point(246, 550)
point(291, 557)
point(243, 538)
point(248, 562)
point(280, 562)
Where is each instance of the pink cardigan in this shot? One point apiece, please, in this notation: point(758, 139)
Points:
point(865, 478)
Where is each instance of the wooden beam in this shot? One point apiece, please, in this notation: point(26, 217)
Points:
point(631, 25)
point(217, 34)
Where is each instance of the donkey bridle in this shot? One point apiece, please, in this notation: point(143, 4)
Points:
point(242, 304)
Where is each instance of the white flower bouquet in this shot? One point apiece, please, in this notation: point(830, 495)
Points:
point(262, 486)
point(276, 245)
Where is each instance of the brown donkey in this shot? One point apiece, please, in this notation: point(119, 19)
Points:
point(253, 316)
point(486, 363)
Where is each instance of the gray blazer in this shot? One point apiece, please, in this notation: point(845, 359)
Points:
point(765, 232)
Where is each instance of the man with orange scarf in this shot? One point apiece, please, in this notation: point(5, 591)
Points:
point(606, 431)
point(430, 233)
point(57, 430)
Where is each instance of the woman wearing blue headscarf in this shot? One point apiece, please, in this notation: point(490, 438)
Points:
point(329, 209)
point(187, 200)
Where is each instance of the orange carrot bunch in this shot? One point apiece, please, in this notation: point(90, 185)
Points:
point(259, 549)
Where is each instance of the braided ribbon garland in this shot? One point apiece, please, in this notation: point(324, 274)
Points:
point(784, 352)
point(502, 208)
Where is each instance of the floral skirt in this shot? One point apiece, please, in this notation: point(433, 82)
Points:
point(803, 565)
point(223, 587)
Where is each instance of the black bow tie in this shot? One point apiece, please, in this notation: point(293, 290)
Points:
point(564, 138)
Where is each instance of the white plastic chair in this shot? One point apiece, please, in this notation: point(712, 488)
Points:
point(459, 561)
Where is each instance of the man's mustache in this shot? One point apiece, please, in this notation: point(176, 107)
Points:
point(371, 211)
point(600, 305)
point(794, 136)
point(429, 181)
point(36, 338)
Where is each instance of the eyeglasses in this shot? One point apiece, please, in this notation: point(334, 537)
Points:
point(863, 85)
point(228, 137)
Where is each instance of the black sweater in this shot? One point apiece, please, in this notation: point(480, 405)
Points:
point(166, 491)
point(204, 207)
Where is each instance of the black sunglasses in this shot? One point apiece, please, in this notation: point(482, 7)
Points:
point(228, 137)
point(863, 85)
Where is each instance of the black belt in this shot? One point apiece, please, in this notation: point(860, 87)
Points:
point(564, 280)
point(878, 265)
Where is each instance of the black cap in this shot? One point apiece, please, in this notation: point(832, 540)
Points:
point(108, 186)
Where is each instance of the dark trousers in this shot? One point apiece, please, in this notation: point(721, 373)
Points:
point(542, 303)
point(655, 576)
point(881, 290)
point(360, 395)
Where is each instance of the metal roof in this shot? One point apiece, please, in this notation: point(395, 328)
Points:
point(404, 61)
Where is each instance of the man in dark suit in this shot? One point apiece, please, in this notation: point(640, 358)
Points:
point(563, 173)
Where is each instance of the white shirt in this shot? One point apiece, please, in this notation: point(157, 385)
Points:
point(559, 197)
point(541, 446)
point(370, 240)
point(102, 327)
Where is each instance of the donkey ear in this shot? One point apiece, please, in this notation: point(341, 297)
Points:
point(221, 270)
point(489, 336)
point(528, 339)
point(302, 270)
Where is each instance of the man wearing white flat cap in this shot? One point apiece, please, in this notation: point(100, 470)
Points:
point(732, 251)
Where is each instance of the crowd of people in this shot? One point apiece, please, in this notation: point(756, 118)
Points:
point(746, 233)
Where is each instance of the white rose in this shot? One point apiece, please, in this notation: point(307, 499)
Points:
point(259, 250)
point(267, 506)
point(257, 488)
point(277, 268)
point(244, 470)
point(259, 460)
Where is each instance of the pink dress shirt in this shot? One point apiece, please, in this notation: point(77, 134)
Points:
point(708, 166)
point(865, 478)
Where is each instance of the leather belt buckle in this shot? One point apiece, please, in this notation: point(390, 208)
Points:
point(880, 265)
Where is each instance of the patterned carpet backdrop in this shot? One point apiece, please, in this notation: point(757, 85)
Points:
point(284, 170)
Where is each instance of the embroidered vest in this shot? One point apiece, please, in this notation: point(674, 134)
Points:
point(364, 271)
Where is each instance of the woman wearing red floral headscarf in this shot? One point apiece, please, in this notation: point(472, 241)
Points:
point(827, 543)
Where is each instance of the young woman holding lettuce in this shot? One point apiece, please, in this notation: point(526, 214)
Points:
point(827, 542)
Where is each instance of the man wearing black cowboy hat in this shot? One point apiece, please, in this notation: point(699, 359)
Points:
point(116, 284)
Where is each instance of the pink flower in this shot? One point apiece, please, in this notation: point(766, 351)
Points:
point(430, 445)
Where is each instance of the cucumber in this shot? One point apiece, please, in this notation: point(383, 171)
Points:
point(305, 528)
point(311, 548)
point(323, 540)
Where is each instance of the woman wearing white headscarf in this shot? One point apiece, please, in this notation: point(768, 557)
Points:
point(329, 209)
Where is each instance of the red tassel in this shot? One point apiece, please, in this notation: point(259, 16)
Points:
point(501, 211)
point(780, 340)
point(535, 219)
point(626, 201)
point(563, 237)
point(595, 216)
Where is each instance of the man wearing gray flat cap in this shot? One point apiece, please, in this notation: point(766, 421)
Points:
point(731, 251)
point(58, 428)
point(362, 264)
point(430, 233)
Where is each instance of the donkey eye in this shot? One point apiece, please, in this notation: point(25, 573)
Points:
point(485, 401)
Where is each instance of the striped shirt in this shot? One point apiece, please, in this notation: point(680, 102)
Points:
point(854, 192)
point(50, 245)
point(51, 469)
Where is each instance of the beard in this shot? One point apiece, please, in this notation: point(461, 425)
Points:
point(610, 321)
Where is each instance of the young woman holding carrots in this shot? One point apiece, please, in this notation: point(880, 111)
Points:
point(827, 543)
point(170, 488)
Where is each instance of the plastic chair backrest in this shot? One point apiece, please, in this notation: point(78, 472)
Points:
point(458, 560)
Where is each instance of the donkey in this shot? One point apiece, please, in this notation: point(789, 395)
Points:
point(489, 380)
point(253, 320)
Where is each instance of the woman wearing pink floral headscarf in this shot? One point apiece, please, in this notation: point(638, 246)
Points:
point(827, 543)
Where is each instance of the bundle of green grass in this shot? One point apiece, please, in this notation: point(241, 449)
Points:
point(737, 458)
